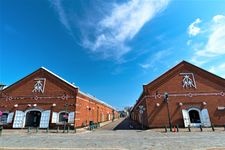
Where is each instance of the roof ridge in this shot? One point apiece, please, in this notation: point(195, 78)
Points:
point(96, 99)
point(86, 94)
point(59, 77)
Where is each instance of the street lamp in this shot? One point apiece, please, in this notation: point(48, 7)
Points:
point(141, 111)
point(166, 97)
point(65, 117)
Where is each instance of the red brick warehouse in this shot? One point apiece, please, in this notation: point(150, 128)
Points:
point(43, 99)
point(186, 95)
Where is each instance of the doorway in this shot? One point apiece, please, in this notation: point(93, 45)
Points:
point(33, 118)
point(194, 116)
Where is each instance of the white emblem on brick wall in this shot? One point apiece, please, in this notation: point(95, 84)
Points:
point(39, 86)
point(188, 80)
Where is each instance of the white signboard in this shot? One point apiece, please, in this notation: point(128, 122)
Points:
point(39, 86)
point(188, 80)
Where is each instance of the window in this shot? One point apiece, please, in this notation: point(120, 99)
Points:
point(3, 118)
point(63, 117)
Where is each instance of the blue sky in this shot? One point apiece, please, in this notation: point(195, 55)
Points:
point(110, 48)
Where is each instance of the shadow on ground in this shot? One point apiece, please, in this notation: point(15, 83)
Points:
point(128, 124)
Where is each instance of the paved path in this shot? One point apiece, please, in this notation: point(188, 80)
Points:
point(121, 124)
point(107, 138)
point(111, 125)
point(128, 124)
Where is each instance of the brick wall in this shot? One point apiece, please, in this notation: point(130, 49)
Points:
point(208, 94)
point(58, 96)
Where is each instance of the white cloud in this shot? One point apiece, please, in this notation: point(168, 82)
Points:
point(209, 48)
point(145, 66)
point(193, 29)
point(219, 70)
point(188, 42)
point(157, 58)
point(57, 4)
point(214, 45)
point(124, 22)
point(218, 18)
point(109, 35)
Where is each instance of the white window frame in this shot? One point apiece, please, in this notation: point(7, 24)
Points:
point(60, 122)
point(200, 116)
point(6, 121)
point(55, 117)
point(28, 110)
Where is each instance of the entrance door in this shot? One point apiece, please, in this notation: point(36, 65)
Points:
point(194, 116)
point(33, 118)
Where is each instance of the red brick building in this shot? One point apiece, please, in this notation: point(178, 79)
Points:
point(43, 99)
point(194, 96)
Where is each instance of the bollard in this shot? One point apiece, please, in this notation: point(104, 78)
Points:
point(213, 129)
point(177, 128)
point(57, 129)
point(47, 130)
point(189, 128)
point(165, 128)
point(75, 130)
point(1, 128)
point(174, 129)
point(200, 128)
point(36, 129)
point(68, 129)
point(28, 129)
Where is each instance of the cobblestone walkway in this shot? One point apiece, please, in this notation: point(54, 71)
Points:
point(109, 139)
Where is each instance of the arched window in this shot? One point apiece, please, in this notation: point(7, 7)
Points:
point(63, 116)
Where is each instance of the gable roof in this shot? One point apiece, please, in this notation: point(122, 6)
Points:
point(46, 70)
point(168, 74)
point(171, 72)
point(64, 81)
point(60, 78)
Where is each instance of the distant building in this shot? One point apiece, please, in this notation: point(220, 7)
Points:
point(195, 97)
point(45, 100)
